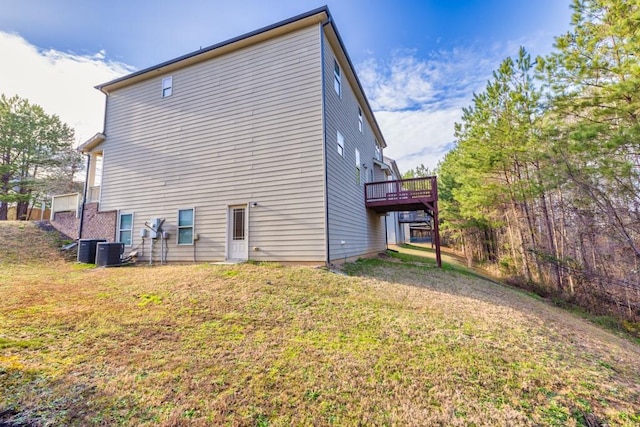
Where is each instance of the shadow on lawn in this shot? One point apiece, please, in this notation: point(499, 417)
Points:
point(458, 264)
point(459, 281)
point(421, 272)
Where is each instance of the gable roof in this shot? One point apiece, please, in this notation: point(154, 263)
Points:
point(320, 15)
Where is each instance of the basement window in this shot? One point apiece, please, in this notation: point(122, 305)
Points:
point(167, 86)
point(125, 228)
point(185, 226)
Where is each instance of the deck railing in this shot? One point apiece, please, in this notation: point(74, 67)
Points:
point(401, 189)
point(65, 203)
point(414, 194)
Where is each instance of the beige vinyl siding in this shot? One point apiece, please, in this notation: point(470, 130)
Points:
point(379, 174)
point(361, 230)
point(240, 128)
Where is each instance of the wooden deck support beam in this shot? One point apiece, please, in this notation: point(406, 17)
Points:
point(407, 195)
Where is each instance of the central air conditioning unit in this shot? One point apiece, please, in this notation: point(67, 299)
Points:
point(87, 250)
point(109, 254)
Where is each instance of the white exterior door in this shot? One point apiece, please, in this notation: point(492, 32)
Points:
point(238, 233)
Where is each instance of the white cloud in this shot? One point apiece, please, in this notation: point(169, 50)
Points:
point(61, 83)
point(417, 101)
point(408, 83)
point(418, 137)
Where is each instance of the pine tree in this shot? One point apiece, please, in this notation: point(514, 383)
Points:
point(31, 147)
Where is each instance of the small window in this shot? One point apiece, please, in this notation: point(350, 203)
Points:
point(378, 152)
point(238, 223)
point(185, 226)
point(358, 175)
point(340, 144)
point(167, 86)
point(125, 229)
point(337, 81)
point(360, 123)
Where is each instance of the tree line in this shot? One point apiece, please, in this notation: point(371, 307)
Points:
point(37, 158)
point(543, 185)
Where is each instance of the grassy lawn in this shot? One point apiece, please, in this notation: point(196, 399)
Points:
point(393, 342)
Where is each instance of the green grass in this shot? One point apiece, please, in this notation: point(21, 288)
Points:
point(627, 329)
point(394, 342)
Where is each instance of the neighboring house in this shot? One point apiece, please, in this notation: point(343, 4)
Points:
point(395, 228)
point(419, 225)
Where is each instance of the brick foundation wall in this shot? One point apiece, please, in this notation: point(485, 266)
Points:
point(67, 223)
point(96, 224)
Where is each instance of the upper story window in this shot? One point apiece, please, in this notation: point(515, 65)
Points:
point(337, 80)
point(167, 86)
point(125, 228)
point(378, 152)
point(185, 226)
point(360, 122)
point(358, 173)
point(340, 144)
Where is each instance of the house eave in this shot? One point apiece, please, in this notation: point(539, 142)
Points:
point(312, 17)
point(92, 142)
point(336, 41)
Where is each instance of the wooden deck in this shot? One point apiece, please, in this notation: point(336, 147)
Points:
point(414, 194)
point(402, 195)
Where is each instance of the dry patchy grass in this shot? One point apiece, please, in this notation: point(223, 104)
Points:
point(23, 243)
point(395, 343)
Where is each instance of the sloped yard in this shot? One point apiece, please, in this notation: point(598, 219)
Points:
point(397, 342)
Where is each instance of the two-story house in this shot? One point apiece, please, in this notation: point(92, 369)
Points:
point(254, 148)
point(259, 147)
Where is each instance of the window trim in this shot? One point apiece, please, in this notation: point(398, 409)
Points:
point(120, 229)
point(234, 224)
point(358, 168)
point(192, 227)
point(337, 78)
point(167, 87)
point(340, 144)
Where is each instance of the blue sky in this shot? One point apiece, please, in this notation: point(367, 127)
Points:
point(419, 61)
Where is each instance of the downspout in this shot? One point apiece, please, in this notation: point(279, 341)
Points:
point(84, 196)
point(324, 145)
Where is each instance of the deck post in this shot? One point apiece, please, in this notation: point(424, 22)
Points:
point(410, 194)
point(436, 226)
